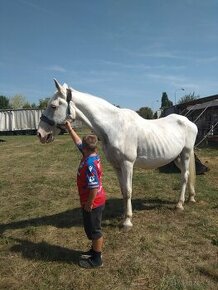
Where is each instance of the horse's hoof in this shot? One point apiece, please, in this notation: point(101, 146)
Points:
point(126, 228)
point(192, 200)
point(179, 208)
point(127, 225)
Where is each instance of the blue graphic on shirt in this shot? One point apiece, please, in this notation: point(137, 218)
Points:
point(91, 172)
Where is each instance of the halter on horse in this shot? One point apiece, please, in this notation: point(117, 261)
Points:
point(69, 114)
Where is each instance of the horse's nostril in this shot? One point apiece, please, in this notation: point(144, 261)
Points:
point(38, 135)
point(49, 138)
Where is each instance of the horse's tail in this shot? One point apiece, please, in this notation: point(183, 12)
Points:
point(192, 174)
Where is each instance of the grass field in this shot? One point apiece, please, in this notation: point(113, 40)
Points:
point(42, 235)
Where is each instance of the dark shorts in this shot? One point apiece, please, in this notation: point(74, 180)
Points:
point(92, 222)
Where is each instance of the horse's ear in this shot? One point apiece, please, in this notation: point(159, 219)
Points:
point(65, 86)
point(69, 95)
point(58, 86)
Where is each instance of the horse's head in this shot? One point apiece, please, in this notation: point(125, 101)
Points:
point(60, 108)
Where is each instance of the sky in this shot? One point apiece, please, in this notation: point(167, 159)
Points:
point(126, 51)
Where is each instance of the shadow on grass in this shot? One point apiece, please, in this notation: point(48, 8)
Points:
point(45, 252)
point(52, 253)
point(64, 219)
point(70, 218)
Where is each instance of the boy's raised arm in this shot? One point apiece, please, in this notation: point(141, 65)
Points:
point(76, 139)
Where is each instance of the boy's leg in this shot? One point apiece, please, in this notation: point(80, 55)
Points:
point(87, 224)
point(96, 248)
point(97, 244)
point(92, 225)
point(97, 237)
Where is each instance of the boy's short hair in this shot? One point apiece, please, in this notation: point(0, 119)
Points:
point(90, 142)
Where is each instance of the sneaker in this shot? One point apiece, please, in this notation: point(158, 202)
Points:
point(90, 263)
point(88, 254)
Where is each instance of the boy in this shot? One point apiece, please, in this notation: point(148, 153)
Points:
point(92, 196)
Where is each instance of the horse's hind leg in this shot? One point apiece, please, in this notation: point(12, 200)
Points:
point(192, 177)
point(124, 174)
point(183, 164)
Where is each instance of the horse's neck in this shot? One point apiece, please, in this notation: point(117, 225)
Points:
point(95, 112)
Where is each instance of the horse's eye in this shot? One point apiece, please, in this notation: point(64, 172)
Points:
point(53, 106)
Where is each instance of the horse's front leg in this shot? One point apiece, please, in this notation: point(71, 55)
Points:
point(125, 173)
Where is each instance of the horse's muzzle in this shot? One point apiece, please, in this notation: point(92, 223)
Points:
point(46, 139)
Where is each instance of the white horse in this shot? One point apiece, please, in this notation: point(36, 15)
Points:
point(127, 138)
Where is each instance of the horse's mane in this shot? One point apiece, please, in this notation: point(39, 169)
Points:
point(96, 99)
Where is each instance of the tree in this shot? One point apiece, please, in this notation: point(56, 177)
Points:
point(27, 106)
point(188, 98)
point(145, 112)
point(43, 103)
point(4, 102)
point(165, 102)
point(33, 106)
point(17, 102)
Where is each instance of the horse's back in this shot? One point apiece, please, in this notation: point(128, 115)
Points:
point(175, 123)
point(149, 143)
point(190, 128)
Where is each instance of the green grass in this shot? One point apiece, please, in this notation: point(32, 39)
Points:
point(42, 234)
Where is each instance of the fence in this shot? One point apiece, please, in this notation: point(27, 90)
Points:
point(23, 121)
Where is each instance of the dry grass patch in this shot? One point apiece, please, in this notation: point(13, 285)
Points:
point(42, 235)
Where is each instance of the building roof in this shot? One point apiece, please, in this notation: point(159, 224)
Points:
point(199, 106)
point(198, 101)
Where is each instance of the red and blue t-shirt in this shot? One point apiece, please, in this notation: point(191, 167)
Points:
point(89, 176)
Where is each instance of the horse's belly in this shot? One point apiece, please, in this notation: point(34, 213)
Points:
point(159, 150)
point(148, 163)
